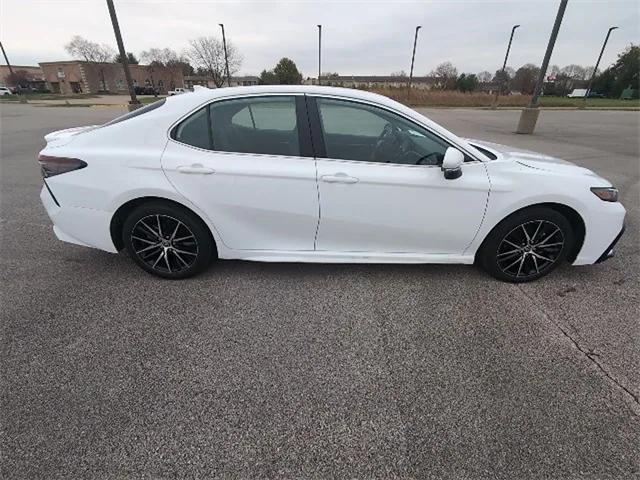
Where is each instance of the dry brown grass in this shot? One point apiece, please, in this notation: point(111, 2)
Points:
point(450, 98)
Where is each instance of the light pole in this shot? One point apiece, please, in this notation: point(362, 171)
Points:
point(319, 52)
point(595, 69)
point(134, 103)
point(504, 65)
point(6, 59)
point(226, 58)
point(413, 57)
point(529, 115)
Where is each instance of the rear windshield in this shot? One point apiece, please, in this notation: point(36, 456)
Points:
point(137, 112)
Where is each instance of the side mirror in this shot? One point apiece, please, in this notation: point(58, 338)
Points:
point(452, 163)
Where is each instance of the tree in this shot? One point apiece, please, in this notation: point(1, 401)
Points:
point(287, 72)
point(467, 82)
point(621, 75)
point(267, 77)
point(503, 79)
point(575, 72)
point(167, 58)
point(19, 79)
point(525, 78)
point(131, 58)
point(400, 73)
point(207, 53)
point(484, 76)
point(83, 49)
point(446, 74)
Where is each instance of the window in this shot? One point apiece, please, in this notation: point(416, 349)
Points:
point(354, 131)
point(264, 125)
point(195, 130)
point(136, 112)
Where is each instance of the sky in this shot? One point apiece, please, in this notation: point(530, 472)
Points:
point(358, 37)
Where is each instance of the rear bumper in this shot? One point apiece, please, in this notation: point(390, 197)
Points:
point(608, 253)
point(83, 226)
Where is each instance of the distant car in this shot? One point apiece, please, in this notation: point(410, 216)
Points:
point(578, 93)
point(5, 91)
point(177, 91)
point(318, 174)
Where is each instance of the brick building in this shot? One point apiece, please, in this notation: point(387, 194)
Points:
point(76, 76)
point(32, 77)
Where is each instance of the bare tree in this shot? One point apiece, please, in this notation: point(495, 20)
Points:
point(160, 55)
point(576, 72)
point(484, 76)
point(81, 48)
point(447, 75)
point(207, 53)
point(401, 73)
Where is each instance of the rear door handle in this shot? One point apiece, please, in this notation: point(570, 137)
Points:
point(339, 178)
point(196, 168)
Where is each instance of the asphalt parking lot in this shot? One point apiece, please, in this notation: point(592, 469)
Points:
point(317, 371)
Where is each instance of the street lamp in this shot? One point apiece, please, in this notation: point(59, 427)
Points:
point(319, 52)
point(504, 65)
point(413, 57)
point(595, 69)
point(226, 58)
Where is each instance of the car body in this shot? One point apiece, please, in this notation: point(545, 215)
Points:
point(5, 91)
point(319, 174)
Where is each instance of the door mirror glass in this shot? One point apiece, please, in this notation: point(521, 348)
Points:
point(452, 163)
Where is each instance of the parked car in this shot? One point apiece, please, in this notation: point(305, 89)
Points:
point(177, 91)
point(318, 174)
point(5, 91)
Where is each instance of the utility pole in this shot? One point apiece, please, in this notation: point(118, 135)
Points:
point(226, 58)
point(504, 65)
point(529, 115)
point(413, 57)
point(6, 59)
point(134, 103)
point(595, 69)
point(319, 52)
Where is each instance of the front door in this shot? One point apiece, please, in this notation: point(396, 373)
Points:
point(381, 188)
point(246, 164)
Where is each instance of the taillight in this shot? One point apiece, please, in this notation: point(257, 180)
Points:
point(56, 165)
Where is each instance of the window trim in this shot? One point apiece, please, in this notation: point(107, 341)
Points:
point(321, 152)
point(302, 123)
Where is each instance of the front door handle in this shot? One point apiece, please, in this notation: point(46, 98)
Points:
point(196, 168)
point(339, 178)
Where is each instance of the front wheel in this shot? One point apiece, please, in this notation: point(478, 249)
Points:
point(527, 245)
point(167, 240)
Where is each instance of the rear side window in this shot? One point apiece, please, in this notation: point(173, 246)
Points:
point(137, 112)
point(195, 130)
point(263, 125)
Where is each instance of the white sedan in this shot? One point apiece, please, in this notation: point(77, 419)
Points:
point(317, 174)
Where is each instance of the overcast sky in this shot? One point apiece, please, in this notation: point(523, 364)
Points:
point(358, 37)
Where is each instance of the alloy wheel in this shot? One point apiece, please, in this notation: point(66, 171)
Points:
point(530, 249)
point(164, 243)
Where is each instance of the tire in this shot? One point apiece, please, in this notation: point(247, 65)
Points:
point(184, 249)
point(527, 245)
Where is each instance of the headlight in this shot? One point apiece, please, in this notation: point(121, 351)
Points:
point(608, 194)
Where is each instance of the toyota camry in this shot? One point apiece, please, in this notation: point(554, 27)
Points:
point(317, 174)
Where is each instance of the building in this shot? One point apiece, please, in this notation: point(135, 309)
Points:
point(76, 76)
point(30, 77)
point(206, 81)
point(374, 81)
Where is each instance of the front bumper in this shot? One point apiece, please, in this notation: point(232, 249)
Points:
point(608, 253)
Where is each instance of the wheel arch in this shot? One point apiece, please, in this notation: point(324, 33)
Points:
point(572, 215)
point(123, 211)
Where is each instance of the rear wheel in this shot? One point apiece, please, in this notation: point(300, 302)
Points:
point(167, 240)
point(527, 245)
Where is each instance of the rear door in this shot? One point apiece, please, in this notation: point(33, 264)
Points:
point(247, 163)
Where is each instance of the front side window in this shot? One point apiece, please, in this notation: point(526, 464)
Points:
point(355, 131)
